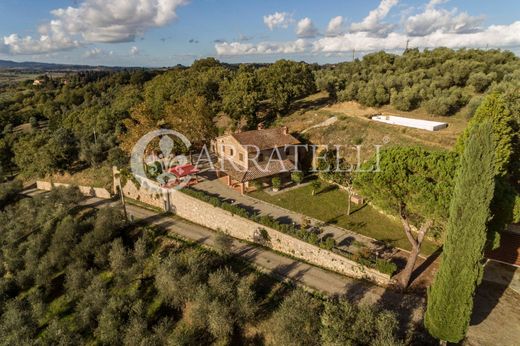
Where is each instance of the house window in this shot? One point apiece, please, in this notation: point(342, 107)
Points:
point(241, 156)
point(231, 151)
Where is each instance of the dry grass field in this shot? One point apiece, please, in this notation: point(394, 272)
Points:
point(353, 126)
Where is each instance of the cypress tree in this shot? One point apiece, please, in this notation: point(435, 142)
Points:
point(450, 298)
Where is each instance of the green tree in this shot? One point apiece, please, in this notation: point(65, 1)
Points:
point(450, 298)
point(346, 324)
point(415, 184)
point(315, 184)
point(495, 108)
point(500, 111)
point(9, 191)
point(193, 117)
point(224, 243)
point(44, 153)
point(241, 95)
point(480, 81)
point(285, 81)
point(297, 321)
point(6, 157)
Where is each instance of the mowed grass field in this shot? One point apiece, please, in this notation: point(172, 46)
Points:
point(330, 206)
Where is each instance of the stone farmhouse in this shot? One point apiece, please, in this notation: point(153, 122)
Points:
point(255, 155)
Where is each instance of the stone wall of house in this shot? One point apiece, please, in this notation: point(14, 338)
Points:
point(228, 147)
point(86, 190)
point(205, 214)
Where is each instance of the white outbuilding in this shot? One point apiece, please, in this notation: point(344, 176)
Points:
point(409, 122)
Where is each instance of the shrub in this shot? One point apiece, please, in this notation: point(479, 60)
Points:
point(329, 243)
point(277, 183)
point(297, 177)
point(264, 234)
point(258, 185)
point(385, 267)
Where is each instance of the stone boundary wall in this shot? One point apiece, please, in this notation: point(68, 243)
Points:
point(86, 190)
point(205, 214)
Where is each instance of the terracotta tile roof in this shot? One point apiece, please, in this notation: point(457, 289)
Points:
point(265, 169)
point(266, 138)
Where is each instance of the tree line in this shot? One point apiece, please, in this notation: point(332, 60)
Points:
point(99, 115)
point(442, 81)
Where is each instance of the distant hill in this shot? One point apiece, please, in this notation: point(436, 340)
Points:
point(42, 66)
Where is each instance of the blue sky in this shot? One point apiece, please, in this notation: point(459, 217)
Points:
point(168, 32)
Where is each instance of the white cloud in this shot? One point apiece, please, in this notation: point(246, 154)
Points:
point(493, 36)
point(498, 36)
point(239, 48)
point(93, 21)
point(335, 26)
point(306, 28)
point(433, 19)
point(373, 22)
point(14, 44)
point(93, 53)
point(96, 52)
point(453, 30)
point(278, 19)
point(134, 51)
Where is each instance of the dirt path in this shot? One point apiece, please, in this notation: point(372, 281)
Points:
point(325, 123)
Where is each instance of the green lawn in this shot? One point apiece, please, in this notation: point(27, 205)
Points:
point(330, 206)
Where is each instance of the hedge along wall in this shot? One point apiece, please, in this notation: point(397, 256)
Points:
point(205, 214)
point(86, 190)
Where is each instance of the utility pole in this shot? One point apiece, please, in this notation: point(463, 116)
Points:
point(407, 42)
point(353, 54)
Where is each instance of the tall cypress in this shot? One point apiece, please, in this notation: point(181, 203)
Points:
point(450, 298)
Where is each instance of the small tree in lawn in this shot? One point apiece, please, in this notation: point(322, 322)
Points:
point(297, 177)
point(415, 184)
point(316, 184)
point(350, 190)
point(450, 298)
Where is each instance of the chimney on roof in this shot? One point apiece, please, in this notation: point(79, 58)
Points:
point(260, 126)
point(285, 130)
